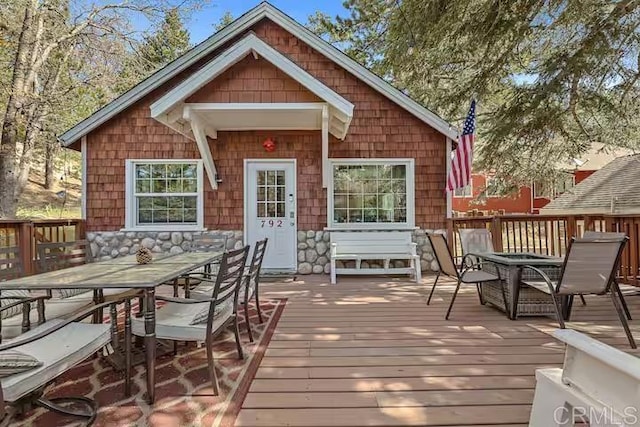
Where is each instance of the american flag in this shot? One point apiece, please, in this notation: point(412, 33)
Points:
point(462, 159)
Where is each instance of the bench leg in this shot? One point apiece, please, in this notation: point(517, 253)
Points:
point(416, 266)
point(333, 272)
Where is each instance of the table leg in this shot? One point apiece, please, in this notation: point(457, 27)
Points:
point(150, 341)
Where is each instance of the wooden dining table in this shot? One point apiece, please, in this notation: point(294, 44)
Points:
point(123, 273)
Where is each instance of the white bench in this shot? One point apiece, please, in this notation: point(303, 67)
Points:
point(374, 245)
point(597, 383)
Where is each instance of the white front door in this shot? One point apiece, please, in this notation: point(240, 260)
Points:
point(270, 211)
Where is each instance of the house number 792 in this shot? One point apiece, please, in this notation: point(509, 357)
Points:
point(271, 223)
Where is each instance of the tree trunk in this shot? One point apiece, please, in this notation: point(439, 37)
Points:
point(12, 119)
point(49, 157)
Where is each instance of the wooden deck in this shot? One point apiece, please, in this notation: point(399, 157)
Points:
point(370, 352)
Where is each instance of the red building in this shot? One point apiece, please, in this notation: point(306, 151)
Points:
point(530, 199)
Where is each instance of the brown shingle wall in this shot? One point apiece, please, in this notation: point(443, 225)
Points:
point(380, 129)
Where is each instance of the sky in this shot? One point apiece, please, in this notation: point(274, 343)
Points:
point(201, 24)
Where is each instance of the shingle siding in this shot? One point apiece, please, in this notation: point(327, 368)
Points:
point(380, 129)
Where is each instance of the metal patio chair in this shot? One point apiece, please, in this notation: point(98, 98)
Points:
point(465, 274)
point(35, 359)
point(249, 288)
point(200, 243)
point(476, 240)
point(186, 319)
point(589, 268)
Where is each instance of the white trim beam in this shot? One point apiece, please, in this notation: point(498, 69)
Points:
point(83, 199)
point(325, 146)
point(200, 135)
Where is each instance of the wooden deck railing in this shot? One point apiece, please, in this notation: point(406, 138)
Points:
point(26, 234)
point(550, 235)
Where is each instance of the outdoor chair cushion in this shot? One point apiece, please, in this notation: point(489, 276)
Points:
point(476, 276)
point(55, 308)
point(13, 362)
point(13, 311)
point(58, 352)
point(173, 322)
point(203, 315)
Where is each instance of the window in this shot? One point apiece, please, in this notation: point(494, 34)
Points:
point(564, 182)
point(466, 191)
point(164, 194)
point(491, 187)
point(371, 194)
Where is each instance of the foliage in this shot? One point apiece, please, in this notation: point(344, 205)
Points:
point(63, 59)
point(225, 20)
point(551, 77)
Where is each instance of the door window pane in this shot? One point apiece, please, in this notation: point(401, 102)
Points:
point(271, 197)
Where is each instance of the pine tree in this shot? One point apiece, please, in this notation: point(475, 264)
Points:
point(551, 77)
point(169, 42)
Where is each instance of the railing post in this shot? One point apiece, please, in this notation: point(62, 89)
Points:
point(496, 232)
point(450, 235)
point(80, 230)
point(25, 244)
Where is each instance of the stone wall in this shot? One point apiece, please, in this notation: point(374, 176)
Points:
point(313, 247)
point(314, 250)
point(112, 244)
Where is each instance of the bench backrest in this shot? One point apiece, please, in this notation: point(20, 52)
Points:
point(371, 242)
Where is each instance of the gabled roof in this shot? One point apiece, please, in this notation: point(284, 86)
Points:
point(246, 21)
point(613, 189)
point(165, 108)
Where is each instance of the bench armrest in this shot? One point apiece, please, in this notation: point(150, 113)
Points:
point(334, 249)
point(413, 248)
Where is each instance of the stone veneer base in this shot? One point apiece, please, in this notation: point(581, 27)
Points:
point(313, 246)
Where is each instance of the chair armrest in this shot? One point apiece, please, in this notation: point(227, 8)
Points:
point(75, 318)
point(182, 300)
point(23, 300)
point(542, 274)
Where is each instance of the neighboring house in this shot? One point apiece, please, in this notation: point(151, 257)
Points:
point(262, 130)
point(614, 189)
point(530, 199)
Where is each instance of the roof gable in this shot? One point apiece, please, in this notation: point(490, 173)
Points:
point(340, 110)
point(244, 23)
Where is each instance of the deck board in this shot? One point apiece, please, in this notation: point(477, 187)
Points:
point(370, 352)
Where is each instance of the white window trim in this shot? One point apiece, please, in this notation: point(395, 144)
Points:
point(470, 185)
point(411, 198)
point(130, 211)
point(487, 181)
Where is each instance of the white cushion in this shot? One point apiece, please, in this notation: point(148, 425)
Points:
point(173, 322)
point(54, 308)
point(59, 351)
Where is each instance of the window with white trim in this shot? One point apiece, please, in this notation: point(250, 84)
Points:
point(465, 191)
point(371, 193)
point(164, 194)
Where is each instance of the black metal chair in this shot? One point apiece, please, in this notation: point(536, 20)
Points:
point(249, 288)
point(589, 268)
point(187, 319)
point(51, 359)
point(465, 274)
